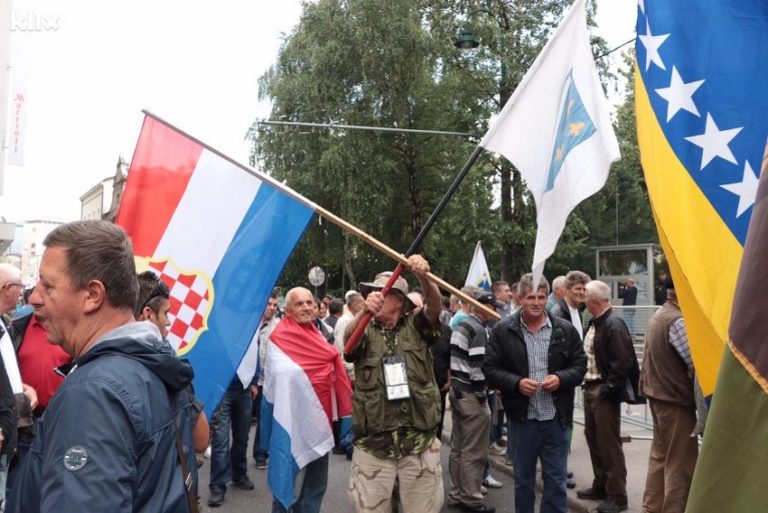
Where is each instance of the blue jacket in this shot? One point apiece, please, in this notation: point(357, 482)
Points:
point(107, 440)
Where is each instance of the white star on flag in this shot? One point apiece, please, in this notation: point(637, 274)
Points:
point(746, 190)
point(652, 44)
point(679, 95)
point(714, 142)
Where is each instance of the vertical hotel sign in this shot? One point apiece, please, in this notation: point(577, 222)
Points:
point(18, 112)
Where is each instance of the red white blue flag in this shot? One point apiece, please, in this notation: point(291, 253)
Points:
point(306, 388)
point(218, 234)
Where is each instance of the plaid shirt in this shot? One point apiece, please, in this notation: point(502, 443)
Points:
point(593, 373)
point(541, 405)
point(678, 337)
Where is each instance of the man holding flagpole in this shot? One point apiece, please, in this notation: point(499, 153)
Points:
point(396, 402)
point(557, 131)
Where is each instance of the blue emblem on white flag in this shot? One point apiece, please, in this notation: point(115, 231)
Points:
point(575, 127)
point(478, 275)
point(560, 137)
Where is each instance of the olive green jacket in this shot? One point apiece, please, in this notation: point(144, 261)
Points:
point(372, 412)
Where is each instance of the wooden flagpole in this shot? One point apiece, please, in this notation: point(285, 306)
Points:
point(344, 225)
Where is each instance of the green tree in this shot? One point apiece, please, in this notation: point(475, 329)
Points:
point(393, 64)
point(364, 62)
point(620, 213)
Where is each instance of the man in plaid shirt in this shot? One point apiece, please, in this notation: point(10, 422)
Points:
point(536, 361)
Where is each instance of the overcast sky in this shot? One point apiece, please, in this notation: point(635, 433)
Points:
point(191, 62)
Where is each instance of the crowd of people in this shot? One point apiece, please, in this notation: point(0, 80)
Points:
point(117, 426)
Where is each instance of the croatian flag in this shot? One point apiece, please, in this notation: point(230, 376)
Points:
point(218, 234)
point(306, 388)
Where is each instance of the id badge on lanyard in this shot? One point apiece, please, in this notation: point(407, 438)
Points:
point(395, 378)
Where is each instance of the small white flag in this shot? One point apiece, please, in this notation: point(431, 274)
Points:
point(478, 275)
point(557, 131)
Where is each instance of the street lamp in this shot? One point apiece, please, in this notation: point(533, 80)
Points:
point(510, 181)
point(466, 39)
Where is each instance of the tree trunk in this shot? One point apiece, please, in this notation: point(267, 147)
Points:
point(507, 254)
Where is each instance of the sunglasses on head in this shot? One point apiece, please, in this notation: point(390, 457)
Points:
point(160, 290)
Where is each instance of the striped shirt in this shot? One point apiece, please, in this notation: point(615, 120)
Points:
point(541, 405)
point(467, 354)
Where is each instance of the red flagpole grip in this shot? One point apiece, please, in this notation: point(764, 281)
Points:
point(354, 338)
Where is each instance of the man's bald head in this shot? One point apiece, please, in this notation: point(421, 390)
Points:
point(299, 305)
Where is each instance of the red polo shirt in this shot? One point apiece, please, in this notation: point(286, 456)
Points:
point(37, 360)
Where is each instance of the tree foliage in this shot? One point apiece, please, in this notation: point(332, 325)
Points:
point(393, 64)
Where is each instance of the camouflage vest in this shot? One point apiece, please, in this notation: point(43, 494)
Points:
point(372, 412)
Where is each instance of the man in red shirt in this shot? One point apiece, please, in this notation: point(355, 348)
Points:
point(37, 360)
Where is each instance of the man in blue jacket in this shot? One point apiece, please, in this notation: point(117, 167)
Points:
point(108, 439)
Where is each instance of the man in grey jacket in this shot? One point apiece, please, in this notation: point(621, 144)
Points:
point(108, 439)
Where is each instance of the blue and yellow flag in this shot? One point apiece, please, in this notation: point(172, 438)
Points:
point(702, 121)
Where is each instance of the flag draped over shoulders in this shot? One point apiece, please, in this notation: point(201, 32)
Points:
point(306, 388)
point(702, 117)
point(557, 131)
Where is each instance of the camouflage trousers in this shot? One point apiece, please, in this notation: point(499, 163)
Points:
point(419, 476)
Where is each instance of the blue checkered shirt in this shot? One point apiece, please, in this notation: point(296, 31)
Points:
point(678, 337)
point(541, 405)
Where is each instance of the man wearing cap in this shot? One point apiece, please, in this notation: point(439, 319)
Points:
point(666, 380)
point(628, 296)
point(396, 404)
point(471, 415)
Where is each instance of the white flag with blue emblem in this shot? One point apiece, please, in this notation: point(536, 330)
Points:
point(557, 131)
point(478, 275)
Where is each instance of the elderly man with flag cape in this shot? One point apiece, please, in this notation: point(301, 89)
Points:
point(306, 388)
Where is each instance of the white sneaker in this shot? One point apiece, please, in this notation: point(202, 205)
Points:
point(483, 490)
point(497, 450)
point(490, 482)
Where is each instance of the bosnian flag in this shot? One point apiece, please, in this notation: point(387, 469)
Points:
point(306, 388)
point(556, 129)
point(478, 275)
point(218, 234)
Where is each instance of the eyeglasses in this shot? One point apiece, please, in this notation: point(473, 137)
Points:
point(160, 290)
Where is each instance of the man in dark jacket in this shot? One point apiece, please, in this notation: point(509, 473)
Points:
point(536, 361)
point(612, 377)
point(570, 307)
point(7, 427)
point(107, 441)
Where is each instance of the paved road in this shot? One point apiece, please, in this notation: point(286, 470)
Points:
point(336, 501)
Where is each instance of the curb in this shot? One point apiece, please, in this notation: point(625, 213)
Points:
point(575, 505)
